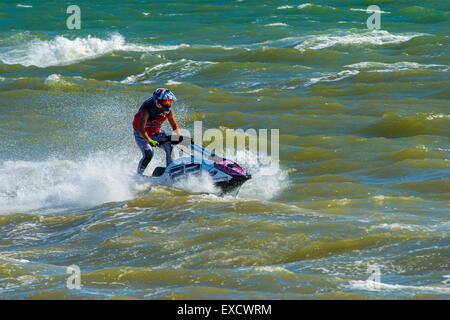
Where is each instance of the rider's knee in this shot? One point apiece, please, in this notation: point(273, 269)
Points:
point(148, 154)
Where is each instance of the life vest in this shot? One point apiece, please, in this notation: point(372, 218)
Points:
point(155, 119)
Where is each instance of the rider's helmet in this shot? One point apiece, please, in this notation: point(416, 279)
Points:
point(163, 99)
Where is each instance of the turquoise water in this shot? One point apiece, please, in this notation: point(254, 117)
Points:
point(362, 185)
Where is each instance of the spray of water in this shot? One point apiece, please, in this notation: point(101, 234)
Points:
point(54, 183)
point(103, 177)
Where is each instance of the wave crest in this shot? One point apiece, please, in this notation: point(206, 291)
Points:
point(368, 38)
point(63, 51)
point(394, 125)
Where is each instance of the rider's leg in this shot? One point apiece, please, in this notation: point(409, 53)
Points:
point(147, 152)
point(146, 158)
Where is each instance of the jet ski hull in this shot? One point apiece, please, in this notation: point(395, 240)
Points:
point(225, 174)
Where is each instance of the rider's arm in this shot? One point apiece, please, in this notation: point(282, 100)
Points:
point(141, 124)
point(173, 123)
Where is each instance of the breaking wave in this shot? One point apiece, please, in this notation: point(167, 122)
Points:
point(375, 37)
point(63, 51)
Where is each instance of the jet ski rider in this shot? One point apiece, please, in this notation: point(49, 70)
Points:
point(147, 126)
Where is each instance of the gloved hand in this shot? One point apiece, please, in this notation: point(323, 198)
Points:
point(153, 143)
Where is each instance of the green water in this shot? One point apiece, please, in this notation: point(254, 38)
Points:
point(363, 179)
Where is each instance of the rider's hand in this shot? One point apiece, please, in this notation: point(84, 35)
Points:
point(153, 143)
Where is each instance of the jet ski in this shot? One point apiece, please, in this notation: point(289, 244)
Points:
point(226, 175)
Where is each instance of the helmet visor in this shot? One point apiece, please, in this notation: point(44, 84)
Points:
point(166, 103)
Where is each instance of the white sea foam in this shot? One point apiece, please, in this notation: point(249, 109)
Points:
point(173, 83)
point(399, 226)
point(177, 69)
point(135, 78)
point(277, 24)
point(285, 7)
point(332, 77)
point(304, 5)
point(24, 6)
point(52, 184)
point(318, 42)
point(390, 67)
point(56, 80)
point(56, 184)
point(370, 11)
point(64, 51)
point(198, 184)
point(268, 178)
point(307, 5)
point(53, 78)
point(370, 285)
point(273, 269)
point(375, 37)
point(438, 116)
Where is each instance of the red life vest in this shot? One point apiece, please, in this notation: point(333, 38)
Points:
point(155, 119)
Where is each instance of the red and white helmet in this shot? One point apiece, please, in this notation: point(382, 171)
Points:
point(163, 99)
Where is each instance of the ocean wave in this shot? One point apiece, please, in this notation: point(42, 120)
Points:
point(376, 37)
point(136, 78)
point(173, 83)
point(380, 286)
point(285, 7)
point(389, 67)
point(56, 80)
point(393, 125)
point(312, 8)
point(400, 227)
point(371, 11)
point(332, 77)
point(418, 14)
point(63, 51)
point(304, 5)
point(276, 24)
point(283, 55)
point(343, 38)
point(169, 71)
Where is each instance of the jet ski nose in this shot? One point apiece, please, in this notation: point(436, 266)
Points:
point(237, 175)
point(231, 168)
point(243, 176)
